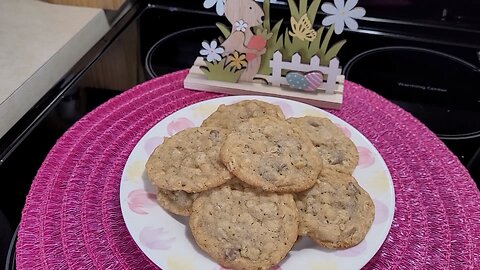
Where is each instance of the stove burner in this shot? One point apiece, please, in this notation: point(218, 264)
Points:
point(177, 50)
point(432, 80)
point(438, 89)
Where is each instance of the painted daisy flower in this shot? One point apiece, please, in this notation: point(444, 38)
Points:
point(237, 60)
point(211, 51)
point(240, 25)
point(342, 14)
point(220, 5)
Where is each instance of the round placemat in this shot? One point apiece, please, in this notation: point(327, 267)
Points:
point(72, 217)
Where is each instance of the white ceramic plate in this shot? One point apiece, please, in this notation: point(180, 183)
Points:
point(165, 238)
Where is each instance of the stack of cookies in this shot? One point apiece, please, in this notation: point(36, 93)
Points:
point(252, 182)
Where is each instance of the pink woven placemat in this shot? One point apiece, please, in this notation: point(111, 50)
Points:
point(72, 217)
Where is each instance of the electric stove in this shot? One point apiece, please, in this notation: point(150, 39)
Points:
point(427, 63)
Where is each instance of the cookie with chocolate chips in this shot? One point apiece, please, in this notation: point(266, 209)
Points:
point(189, 161)
point(336, 212)
point(244, 228)
point(336, 150)
point(271, 154)
point(229, 116)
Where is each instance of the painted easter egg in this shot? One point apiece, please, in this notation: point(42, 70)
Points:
point(296, 80)
point(314, 79)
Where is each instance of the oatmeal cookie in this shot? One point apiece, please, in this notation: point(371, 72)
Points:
point(229, 116)
point(244, 228)
point(336, 213)
point(271, 154)
point(337, 150)
point(189, 161)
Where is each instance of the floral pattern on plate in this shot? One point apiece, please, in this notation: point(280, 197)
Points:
point(165, 238)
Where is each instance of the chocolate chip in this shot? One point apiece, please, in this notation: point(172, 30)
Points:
point(353, 189)
point(214, 134)
point(280, 166)
point(336, 158)
point(232, 253)
point(269, 176)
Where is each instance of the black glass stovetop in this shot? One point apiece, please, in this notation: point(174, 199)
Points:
point(165, 36)
point(434, 79)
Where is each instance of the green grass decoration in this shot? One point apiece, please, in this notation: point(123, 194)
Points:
point(296, 12)
point(224, 29)
point(292, 46)
point(288, 45)
point(325, 41)
point(327, 55)
point(274, 43)
point(266, 13)
point(307, 49)
point(220, 71)
point(315, 44)
point(312, 10)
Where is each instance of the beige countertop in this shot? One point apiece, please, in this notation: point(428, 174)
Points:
point(39, 43)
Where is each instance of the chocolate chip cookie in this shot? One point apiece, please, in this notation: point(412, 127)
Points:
point(189, 161)
point(337, 150)
point(336, 212)
point(271, 154)
point(244, 228)
point(229, 116)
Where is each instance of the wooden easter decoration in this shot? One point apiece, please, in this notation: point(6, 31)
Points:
point(254, 58)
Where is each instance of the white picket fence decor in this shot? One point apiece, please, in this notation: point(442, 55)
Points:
point(277, 65)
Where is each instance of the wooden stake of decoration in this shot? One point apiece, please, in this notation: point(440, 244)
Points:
point(196, 80)
point(300, 64)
